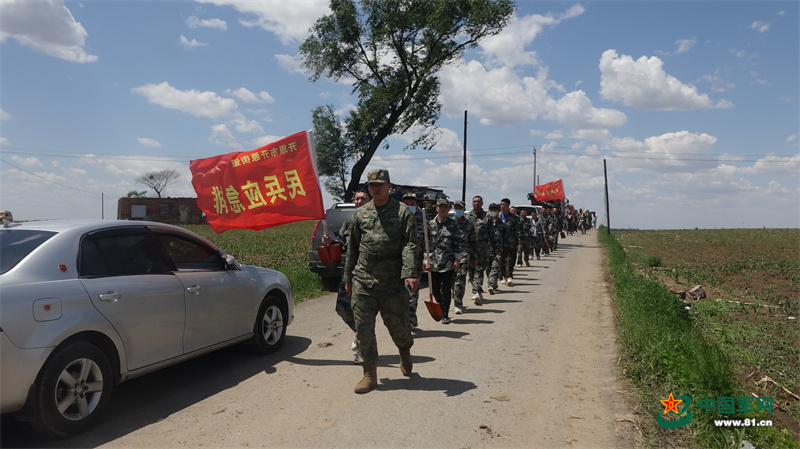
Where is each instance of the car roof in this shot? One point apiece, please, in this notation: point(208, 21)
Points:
point(84, 225)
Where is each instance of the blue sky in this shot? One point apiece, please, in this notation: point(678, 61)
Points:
point(693, 105)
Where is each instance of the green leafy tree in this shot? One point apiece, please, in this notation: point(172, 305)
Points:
point(393, 50)
point(135, 194)
point(334, 150)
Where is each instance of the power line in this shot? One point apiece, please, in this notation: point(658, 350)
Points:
point(49, 180)
point(452, 154)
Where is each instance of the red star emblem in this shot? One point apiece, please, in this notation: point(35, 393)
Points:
point(671, 404)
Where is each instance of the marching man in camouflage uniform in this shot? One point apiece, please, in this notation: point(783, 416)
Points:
point(479, 219)
point(537, 234)
point(524, 238)
point(510, 244)
point(448, 253)
point(410, 200)
point(497, 235)
point(468, 237)
point(381, 258)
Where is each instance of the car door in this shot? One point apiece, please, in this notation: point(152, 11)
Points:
point(133, 286)
point(220, 303)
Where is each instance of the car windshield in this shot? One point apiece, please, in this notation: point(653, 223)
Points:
point(16, 244)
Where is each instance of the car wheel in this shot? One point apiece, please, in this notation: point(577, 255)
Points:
point(73, 390)
point(270, 328)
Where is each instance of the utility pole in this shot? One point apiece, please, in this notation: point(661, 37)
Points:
point(102, 205)
point(464, 183)
point(608, 217)
point(534, 172)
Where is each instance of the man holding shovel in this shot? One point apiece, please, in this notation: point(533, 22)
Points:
point(380, 265)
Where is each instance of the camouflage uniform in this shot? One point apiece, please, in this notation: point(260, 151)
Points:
point(497, 235)
point(447, 245)
point(510, 244)
point(524, 241)
point(537, 236)
point(480, 222)
point(381, 254)
point(468, 238)
point(413, 302)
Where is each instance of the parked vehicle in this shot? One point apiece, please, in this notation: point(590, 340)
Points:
point(331, 274)
point(87, 304)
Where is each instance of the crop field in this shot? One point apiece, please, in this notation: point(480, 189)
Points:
point(752, 281)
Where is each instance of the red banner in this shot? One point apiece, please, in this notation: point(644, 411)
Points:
point(257, 189)
point(550, 191)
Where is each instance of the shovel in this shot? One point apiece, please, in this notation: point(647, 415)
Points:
point(434, 307)
point(329, 254)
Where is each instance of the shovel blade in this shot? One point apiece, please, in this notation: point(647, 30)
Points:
point(330, 254)
point(435, 310)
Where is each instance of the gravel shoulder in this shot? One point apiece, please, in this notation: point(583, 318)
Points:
point(535, 366)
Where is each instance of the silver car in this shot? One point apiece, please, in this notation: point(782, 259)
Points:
point(87, 304)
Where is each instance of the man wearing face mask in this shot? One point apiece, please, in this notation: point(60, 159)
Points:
point(497, 235)
point(410, 200)
point(468, 236)
point(447, 253)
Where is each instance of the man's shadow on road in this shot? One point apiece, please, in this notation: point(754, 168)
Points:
point(450, 387)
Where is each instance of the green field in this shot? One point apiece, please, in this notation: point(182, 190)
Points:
point(748, 320)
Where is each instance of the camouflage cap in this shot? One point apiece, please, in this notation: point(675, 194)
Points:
point(442, 202)
point(459, 203)
point(379, 175)
point(494, 206)
point(410, 196)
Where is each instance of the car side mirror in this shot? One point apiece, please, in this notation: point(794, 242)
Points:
point(231, 263)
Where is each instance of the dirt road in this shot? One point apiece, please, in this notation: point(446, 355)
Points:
point(532, 367)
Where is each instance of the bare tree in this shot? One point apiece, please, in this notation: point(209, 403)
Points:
point(158, 180)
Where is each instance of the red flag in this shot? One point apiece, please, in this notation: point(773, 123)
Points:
point(257, 189)
point(550, 191)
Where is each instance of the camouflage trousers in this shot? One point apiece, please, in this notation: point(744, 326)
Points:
point(495, 272)
point(508, 261)
point(392, 303)
point(477, 273)
point(524, 251)
point(460, 283)
point(413, 301)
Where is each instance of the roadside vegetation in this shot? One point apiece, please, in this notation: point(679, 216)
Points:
point(742, 340)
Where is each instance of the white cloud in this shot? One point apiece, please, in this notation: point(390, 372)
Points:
point(643, 84)
point(791, 138)
point(507, 48)
point(200, 104)
point(222, 136)
point(266, 97)
point(761, 27)
point(576, 111)
point(46, 26)
point(152, 143)
point(190, 44)
point(248, 96)
point(5, 115)
point(290, 21)
point(292, 64)
point(685, 45)
point(4, 141)
point(196, 22)
point(499, 96)
point(26, 161)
